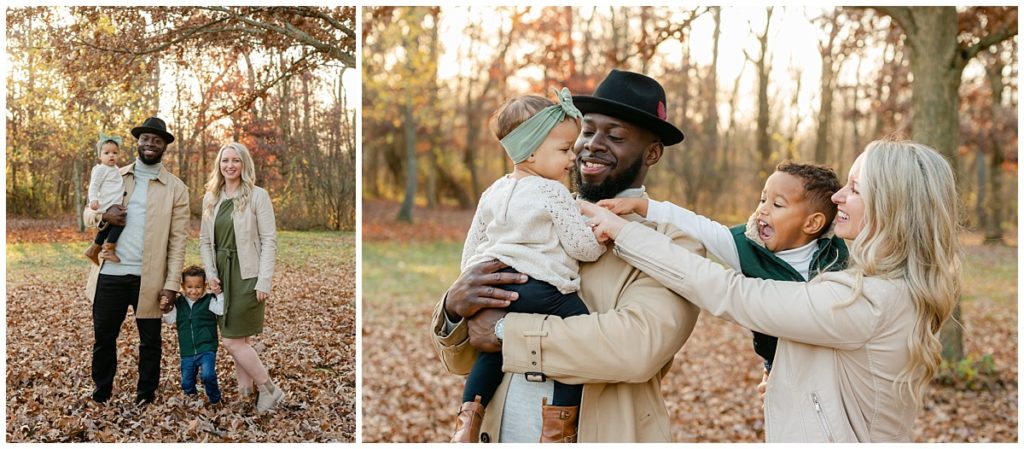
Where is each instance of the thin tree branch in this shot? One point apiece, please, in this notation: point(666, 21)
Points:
point(187, 35)
point(293, 32)
point(318, 13)
point(987, 41)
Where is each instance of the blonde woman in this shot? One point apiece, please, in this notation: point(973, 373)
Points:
point(237, 241)
point(858, 347)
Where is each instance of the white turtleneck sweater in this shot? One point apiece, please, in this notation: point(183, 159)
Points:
point(130, 244)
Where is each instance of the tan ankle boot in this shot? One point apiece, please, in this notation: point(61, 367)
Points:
point(467, 424)
point(110, 253)
point(558, 423)
point(93, 253)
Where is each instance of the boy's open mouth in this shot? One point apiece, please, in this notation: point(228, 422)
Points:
point(765, 230)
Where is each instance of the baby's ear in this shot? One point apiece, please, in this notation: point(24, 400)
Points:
point(815, 223)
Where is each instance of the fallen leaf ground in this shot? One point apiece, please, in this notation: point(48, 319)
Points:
point(308, 345)
point(709, 392)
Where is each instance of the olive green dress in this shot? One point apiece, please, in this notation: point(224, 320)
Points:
point(243, 314)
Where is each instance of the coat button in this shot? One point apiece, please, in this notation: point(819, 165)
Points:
point(485, 438)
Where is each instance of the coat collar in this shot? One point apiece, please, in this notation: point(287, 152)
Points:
point(164, 176)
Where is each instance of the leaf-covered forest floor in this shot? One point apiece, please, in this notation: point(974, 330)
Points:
point(308, 345)
point(710, 391)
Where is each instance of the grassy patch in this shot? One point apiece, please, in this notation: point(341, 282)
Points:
point(53, 261)
point(301, 249)
point(408, 272)
point(990, 272)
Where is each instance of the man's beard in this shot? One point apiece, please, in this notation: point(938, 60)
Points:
point(611, 186)
point(148, 161)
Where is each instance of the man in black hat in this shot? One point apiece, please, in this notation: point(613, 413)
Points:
point(626, 345)
point(155, 217)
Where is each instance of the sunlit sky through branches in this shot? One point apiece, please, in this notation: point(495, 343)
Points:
point(793, 47)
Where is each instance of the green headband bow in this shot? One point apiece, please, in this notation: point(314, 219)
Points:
point(103, 139)
point(524, 140)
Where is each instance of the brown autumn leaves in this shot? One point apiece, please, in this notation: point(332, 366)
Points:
point(308, 345)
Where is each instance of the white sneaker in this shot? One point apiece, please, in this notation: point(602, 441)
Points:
point(269, 401)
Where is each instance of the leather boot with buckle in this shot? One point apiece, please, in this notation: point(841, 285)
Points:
point(93, 253)
point(109, 252)
point(467, 423)
point(558, 423)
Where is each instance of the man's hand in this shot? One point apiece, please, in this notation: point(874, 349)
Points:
point(165, 304)
point(115, 215)
point(168, 294)
point(474, 290)
point(622, 206)
point(481, 330)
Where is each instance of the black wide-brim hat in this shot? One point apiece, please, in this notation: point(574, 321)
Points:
point(635, 98)
point(155, 126)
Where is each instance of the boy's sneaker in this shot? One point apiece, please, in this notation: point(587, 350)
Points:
point(267, 401)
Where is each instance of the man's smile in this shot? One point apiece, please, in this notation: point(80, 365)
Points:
point(593, 165)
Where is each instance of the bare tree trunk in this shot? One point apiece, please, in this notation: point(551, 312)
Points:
point(409, 127)
point(764, 148)
point(711, 167)
point(827, 87)
point(981, 173)
point(79, 202)
point(791, 141)
point(729, 153)
point(994, 203)
point(855, 115)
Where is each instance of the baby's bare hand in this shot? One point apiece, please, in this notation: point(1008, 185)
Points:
point(622, 206)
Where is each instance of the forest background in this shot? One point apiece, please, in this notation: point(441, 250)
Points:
point(749, 86)
point(280, 80)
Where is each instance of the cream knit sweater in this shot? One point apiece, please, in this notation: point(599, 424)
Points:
point(534, 225)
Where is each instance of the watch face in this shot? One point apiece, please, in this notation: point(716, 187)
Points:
point(499, 329)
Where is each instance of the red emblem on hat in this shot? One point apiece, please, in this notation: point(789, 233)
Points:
point(661, 111)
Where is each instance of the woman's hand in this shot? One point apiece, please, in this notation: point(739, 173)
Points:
point(605, 223)
point(262, 296)
point(214, 284)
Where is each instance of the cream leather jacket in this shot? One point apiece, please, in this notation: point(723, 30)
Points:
point(834, 371)
point(255, 239)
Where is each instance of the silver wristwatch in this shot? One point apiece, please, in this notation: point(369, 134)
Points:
point(499, 329)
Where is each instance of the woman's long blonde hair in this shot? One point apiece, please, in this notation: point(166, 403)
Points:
point(910, 233)
point(216, 183)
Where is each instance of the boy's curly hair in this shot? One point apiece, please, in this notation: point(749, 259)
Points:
point(820, 183)
point(193, 271)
